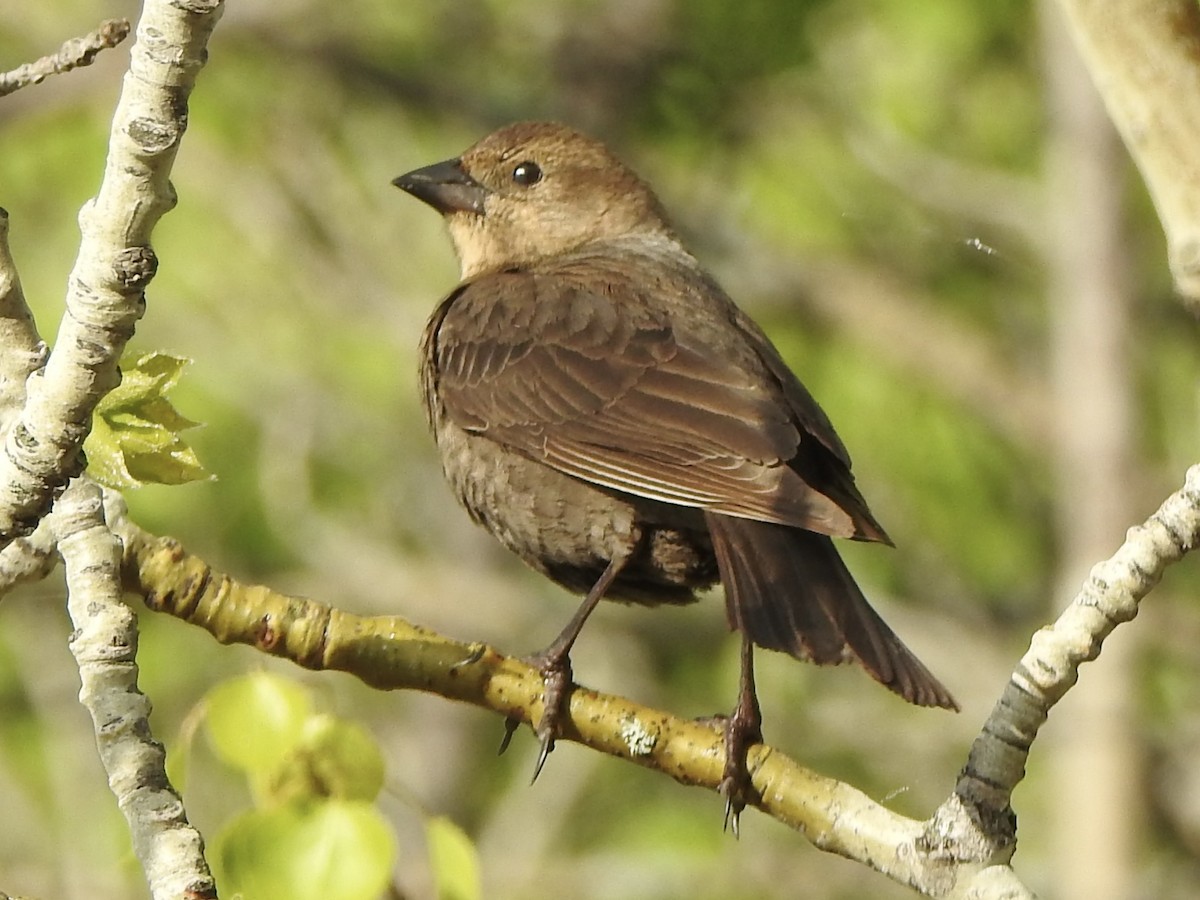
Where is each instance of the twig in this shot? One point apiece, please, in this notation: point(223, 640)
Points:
point(81, 51)
point(28, 559)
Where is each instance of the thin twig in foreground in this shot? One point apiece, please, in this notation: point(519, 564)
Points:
point(73, 54)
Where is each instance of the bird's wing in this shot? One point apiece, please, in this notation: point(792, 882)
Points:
point(592, 377)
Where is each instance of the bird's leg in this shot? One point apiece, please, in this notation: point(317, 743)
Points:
point(742, 730)
point(554, 663)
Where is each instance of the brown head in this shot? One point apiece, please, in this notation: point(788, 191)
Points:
point(533, 190)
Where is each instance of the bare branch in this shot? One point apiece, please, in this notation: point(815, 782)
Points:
point(1144, 56)
point(77, 52)
point(1050, 667)
point(22, 353)
point(21, 350)
point(106, 288)
point(105, 646)
point(28, 559)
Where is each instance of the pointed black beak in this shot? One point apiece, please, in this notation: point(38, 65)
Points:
point(445, 186)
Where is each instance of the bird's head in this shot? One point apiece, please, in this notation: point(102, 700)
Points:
point(533, 190)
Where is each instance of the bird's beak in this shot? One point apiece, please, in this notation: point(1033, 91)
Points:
point(445, 186)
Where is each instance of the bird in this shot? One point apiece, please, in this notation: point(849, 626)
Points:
point(612, 417)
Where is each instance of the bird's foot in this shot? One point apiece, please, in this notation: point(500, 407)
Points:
point(556, 676)
point(743, 729)
point(556, 679)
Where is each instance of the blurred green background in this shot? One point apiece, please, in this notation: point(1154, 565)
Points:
point(874, 180)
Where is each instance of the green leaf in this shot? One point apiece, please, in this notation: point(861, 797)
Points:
point(135, 429)
point(343, 758)
point(453, 859)
point(329, 850)
point(256, 721)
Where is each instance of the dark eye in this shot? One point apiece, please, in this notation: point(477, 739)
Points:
point(527, 173)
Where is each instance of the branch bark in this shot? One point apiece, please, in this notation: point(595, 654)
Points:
point(106, 293)
point(21, 350)
point(1144, 56)
point(71, 55)
point(962, 851)
point(45, 416)
point(104, 644)
point(1050, 667)
point(390, 653)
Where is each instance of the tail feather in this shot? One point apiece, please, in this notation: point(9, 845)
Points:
point(788, 590)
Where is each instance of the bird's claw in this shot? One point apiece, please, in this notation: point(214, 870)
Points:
point(556, 679)
point(734, 805)
point(547, 746)
point(742, 730)
point(511, 724)
point(475, 653)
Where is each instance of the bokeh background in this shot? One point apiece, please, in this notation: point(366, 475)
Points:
point(923, 205)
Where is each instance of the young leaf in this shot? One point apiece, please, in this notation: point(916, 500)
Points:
point(325, 850)
point(256, 721)
point(135, 429)
point(343, 757)
point(453, 859)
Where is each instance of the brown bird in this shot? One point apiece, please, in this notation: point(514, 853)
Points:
point(605, 410)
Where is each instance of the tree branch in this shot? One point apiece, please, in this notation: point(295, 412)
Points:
point(1050, 667)
point(106, 288)
point(21, 350)
point(1144, 56)
point(390, 653)
point(22, 353)
point(962, 851)
point(45, 419)
point(73, 54)
point(105, 645)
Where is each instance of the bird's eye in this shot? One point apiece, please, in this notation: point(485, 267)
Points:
point(527, 173)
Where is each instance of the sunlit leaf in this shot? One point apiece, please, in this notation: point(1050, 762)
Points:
point(254, 722)
point(343, 758)
point(329, 850)
point(135, 437)
point(453, 859)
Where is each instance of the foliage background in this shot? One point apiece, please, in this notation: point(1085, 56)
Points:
point(867, 177)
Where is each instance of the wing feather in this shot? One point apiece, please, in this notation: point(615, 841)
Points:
point(578, 367)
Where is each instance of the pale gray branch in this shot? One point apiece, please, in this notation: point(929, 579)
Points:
point(46, 418)
point(1109, 596)
point(1144, 56)
point(106, 288)
point(169, 849)
point(21, 354)
point(28, 559)
point(21, 350)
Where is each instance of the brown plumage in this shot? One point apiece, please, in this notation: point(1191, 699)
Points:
point(609, 414)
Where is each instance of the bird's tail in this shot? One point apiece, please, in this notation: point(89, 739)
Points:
point(788, 589)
